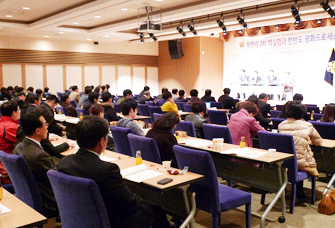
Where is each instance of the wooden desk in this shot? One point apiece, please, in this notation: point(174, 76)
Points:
point(262, 172)
point(329, 143)
point(21, 215)
point(62, 118)
point(325, 156)
point(184, 113)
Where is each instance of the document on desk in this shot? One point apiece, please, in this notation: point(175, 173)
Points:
point(106, 159)
point(196, 143)
point(59, 117)
point(4, 209)
point(244, 152)
point(73, 121)
point(139, 173)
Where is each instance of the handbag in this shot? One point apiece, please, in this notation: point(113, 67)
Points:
point(327, 204)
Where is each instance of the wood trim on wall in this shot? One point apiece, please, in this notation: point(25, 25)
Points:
point(116, 79)
point(45, 82)
point(131, 77)
point(82, 77)
point(1, 76)
point(100, 75)
point(23, 75)
point(146, 75)
point(64, 77)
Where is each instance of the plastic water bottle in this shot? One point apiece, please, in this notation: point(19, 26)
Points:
point(138, 157)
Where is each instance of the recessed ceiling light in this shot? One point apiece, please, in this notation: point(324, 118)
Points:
point(26, 8)
point(46, 36)
point(0, 27)
point(61, 32)
point(159, 0)
point(76, 23)
point(89, 39)
point(124, 9)
point(97, 16)
point(106, 35)
point(9, 16)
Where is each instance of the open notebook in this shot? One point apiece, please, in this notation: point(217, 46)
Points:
point(139, 173)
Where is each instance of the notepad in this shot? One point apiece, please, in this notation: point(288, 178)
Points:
point(139, 173)
point(4, 209)
point(196, 143)
point(106, 159)
point(74, 120)
point(244, 152)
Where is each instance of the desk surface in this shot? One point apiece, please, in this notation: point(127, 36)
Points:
point(263, 159)
point(21, 215)
point(328, 143)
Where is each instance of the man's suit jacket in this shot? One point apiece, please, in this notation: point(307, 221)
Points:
point(48, 114)
point(227, 102)
point(264, 108)
point(123, 207)
point(39, 162)
point(71, 111)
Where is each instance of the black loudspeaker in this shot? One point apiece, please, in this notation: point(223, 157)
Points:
point(176, 49)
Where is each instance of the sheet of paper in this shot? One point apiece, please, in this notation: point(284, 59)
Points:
point(59, 117)
point(245, 152)
point(5, 209)
point(74, 121)
point(142, 176)
point(107, 159)
point(133, 169)
point(196, 143)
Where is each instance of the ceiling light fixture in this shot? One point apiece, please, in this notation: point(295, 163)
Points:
point(222, 26)
point(241, 20)
point(277, 25)
point(97, 16)
point(124, 9)
point(181, 31)
point(46, 36)
point(76, 23)
point(88, 39)
point(319, 21)
point(25, 8)
point(153, 36)
point(191, 28)
point(61, 32)
point(9, 16)
point(106, 36)
point(328, 9)
point(296, 15)
point(142, 38)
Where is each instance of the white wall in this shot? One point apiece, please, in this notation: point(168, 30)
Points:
point(73, 76)
point(91, 75)
point(153, 80)
point(108, 77)
point(34, 76)
point(11, 75)
point(55, 78)
point(124, 79)
point(138, 79)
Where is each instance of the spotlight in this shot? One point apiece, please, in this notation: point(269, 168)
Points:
point(328, 9)
point(181, 31)
point(277, 25)
point(295, 14)
point(242, 22)
point(153, 36)
point(191, 28)
point(319, 21)
point(221, 25)
point(142, 38)
point(240, 31)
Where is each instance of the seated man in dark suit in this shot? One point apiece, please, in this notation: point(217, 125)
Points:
point(125, 209)
point(207, 97)
point(264, 108)
point(36, 129)
point(71, 111)
point(227, 101)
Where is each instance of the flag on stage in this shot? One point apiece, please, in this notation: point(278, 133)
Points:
point(330, 69)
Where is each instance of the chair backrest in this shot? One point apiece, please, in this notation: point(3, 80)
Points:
point(23, 180)
point(317, 116)
point(143, 109)
point(73, 103)
point(185, 126)
point(313, 108)
point(180, 105)
point(282, 143)
point(276, 122)
point(215, 131)
point(61, 109)
point(147, 146)
point(229, 115)
point(274, 113)
point(67, 91)
point(117, 107)
point(279, 107)
point(150, 103)
point(79, 201)
point(157, 115)
point(325, 129)
point(121, 140)
point(187, 107)
point(152, 110)
point(217, 117)
point(218, 105)
point(81, 111)
point(200, 162)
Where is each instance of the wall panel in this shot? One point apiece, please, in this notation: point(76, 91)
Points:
point(152, 80)
point(73, 76)
point(108, 77)
point(34, 76)
point(124, 79)
point(55, 78)
point(92, 75)
point(138, 79)
point(11, 75)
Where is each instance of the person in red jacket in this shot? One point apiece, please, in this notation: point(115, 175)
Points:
point(8, 126)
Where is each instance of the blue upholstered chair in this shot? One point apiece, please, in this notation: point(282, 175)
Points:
point(180, 105)
point(73, 103)
point(121, 142)
point(24, 182)
point(147, 146)
point(284, 143)
point(325, 129)
point(274, 113)
point(185, 126)
point(313, 108)
point(157, 115)
point(217, 117)
point(116, 99)
point(68, 91)
point(150, 103)
point(81, 111)
point(187, 107)
point(153, 110)
point(61, 109)
point(276, 122)
point(218, 105)
point(317, 116)
point(215, 131)
point(279, 107)
point(79, 201)
point(144, 111)
point(229, 115)
point(210, 195)
point(117, 107)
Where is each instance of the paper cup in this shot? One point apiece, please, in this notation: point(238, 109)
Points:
point(166, 165)
point(272, 153)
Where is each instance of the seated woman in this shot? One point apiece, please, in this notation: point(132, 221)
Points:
point(243, 124)
point(329, 113)
point(165, 140)
point(283, 111)
point(169, 105)
point(303, 133)
point(197, 118)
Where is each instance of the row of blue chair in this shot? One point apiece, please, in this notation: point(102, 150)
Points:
point(275, 114)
